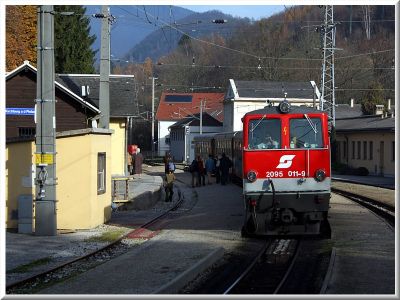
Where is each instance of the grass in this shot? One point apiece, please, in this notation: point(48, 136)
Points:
point(27, 267)
point(108, 236)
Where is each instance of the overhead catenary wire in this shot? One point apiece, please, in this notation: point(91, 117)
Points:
point(240, 51)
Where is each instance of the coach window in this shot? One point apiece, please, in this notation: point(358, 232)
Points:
point(306, 133)
point(264, 134)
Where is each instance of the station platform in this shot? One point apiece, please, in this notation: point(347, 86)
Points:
point(378, 181)
point(27, 251)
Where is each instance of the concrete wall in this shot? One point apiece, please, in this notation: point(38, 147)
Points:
point(382, 162)
point(118, 146)
point(79, 206)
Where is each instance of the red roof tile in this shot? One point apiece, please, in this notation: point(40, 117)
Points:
point(173, 111)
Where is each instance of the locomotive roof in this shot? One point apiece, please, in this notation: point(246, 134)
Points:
point(275, 110)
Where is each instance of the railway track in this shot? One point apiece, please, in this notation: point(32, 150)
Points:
point(83, 263)
point(305, 268)
point(286, 266)
point(383, 210)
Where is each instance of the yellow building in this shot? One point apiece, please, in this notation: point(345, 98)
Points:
point(366, 141)
point(83, 179)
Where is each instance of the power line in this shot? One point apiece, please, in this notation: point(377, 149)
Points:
point(235, 50)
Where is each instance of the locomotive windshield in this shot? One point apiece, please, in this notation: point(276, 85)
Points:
point(265, 133)
point(306, 133)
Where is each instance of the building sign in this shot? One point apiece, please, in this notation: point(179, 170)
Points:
point(19, 111)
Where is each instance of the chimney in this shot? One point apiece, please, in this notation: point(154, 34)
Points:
point(389, 106)
point(379, 109)
point(352, 102)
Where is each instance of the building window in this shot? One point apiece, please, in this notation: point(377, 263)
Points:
point(344, 150)
point(353, 149)
point(26, 132)
point(101, 173)
point(365, 150)
point(371, 150)
point(358, 149)
point(393, 151)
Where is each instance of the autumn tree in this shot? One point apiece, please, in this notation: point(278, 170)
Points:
point(21, 38)
point(72, 42)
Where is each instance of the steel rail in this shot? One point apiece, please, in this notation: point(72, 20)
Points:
point(289, 269)
point(94, 252)
point(382, 210)
point(248, 269)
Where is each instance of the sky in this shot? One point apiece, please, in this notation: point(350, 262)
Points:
point(250, 11)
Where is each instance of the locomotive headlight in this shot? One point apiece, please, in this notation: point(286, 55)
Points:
point(252, 176)
point(320, 175)
point(284, 107)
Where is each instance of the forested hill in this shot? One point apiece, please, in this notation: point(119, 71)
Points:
point(283, 47)
point(287, 47)
point(131, 23)
point(164, 40)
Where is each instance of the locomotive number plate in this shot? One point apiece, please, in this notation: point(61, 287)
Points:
point(296, 173)
point(271, 174)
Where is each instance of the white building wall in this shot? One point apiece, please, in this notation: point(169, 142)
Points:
point(228, 116)
point(235, 109)
point(162, 133)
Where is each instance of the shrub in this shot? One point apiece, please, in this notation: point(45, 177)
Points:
point(362, 171)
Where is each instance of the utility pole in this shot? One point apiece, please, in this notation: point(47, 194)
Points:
point(152, 116)
point(201, 116)
point(104, 93)
point(45, 201)
point(328, 44)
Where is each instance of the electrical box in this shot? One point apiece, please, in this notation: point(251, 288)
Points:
point(25, 214)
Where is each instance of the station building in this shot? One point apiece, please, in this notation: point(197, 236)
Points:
point(366, 140)
point(176, 106)
point(86, 158)
point(183, 132)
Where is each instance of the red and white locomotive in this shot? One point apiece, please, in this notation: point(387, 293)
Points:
point(286, 170)
point(283, 158)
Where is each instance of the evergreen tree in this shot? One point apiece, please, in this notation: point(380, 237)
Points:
point(374, 96)
point(72, 41)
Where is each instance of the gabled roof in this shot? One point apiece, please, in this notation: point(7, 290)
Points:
point(175, 106)
point(345, 111)
point(27, 66)
point(123, 100)
point(194, 120)
point(368, 123)
point(271, 89)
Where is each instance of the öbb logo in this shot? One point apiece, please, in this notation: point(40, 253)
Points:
point(285, 161)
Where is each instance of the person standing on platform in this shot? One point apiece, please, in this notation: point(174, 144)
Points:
point(167, 158)
point(194, 169)
point(226, 164)
point(218, 169)
point(130, 163)
point(210, 167)
point(202, 171)
point(169, 185)
point(138, 162)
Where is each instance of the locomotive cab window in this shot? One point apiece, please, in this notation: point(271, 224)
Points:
point(264, 134)
point(306, 133)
